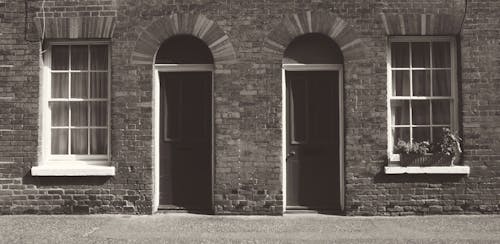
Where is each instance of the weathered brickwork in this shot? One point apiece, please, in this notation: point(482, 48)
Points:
point(247, 40)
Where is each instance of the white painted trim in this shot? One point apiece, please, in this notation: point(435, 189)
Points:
point(73, 170)
point(428, 170)
point(156, 139)
point(184, 67)
point(313, 67)
point(420, 38)
point(157, 68)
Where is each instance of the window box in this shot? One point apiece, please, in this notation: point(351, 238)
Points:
point(428, 159)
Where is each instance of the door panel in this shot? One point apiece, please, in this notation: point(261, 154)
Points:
point(313, 175)
point(186, 144)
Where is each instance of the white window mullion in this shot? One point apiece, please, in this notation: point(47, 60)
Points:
point(88, 96)
point(69, 103)
point(411, 92)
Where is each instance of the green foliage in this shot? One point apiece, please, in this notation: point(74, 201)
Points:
point(450, 143)
point(420, 148)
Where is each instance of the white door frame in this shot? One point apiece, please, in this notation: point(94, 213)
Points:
point(157, 68)
point(313, 67)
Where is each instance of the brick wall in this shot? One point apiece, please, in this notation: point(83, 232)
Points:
point(248, 126)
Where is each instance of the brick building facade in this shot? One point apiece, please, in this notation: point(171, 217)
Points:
point(247, 43)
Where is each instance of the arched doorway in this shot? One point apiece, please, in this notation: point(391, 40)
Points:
point(313, 119)
point(183, 123)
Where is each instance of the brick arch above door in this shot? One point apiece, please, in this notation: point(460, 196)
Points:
point(198, 25)
point(294, 25)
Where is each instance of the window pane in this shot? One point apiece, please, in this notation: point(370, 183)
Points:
point(79, 85)
point(59, 112)
point(437, 133)
point(401, 83)
point(298, 104)
point(420, 112)
point(421, 83)
point(400, 55)
point(59, 141)
point(401, 134)
point(79, 57)
point(421, 134)
point(79, 113)
point(99, 57)
point(60, 57)
point(98, 113)
point(59, 88)
point(98, 85)
point(98, 141)
point(401, 112)
point(441, 55)
point(79, 140)
point(420, 52)
point(441, 112)
point(441, 83)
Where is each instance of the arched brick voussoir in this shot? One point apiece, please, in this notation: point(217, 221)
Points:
point(294, 25)
point(198, 25)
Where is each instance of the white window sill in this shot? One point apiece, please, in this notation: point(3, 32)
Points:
point(393, 170)
point(73, 170)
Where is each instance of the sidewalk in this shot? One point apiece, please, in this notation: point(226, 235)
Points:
point(295, 228)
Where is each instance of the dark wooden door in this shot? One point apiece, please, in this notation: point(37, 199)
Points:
point(312, 164)
point(186, 140)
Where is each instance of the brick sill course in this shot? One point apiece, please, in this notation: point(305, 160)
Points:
point(427, 170)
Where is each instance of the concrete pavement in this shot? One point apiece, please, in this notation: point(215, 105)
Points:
point(294, 228)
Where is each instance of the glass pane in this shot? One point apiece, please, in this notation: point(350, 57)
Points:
point(298, 105)
point(59, 112)
point(421, 134)
point(441, 55)
point(99, 57)
point(441, 112)
point(421, 83)
point(98, 113)
point(98, 85)
point(79, 58)
point(401, 134)
point(400, 55)
point(79, 85)
point(441, 83)
point(401, 112)
point(420, 112)
point(98, 141)
point(59, 88)
point(420, 52)
point(401, 83)
point(60, 57)
point(437, 133)
point(59, 141)
point(79, 141)
point(79, 113)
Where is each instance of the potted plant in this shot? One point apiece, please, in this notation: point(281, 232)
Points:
point(412, 153)
point(449, 145)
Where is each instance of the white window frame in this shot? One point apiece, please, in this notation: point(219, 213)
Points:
point(454, 90)
point(69, 165)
